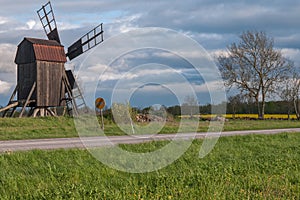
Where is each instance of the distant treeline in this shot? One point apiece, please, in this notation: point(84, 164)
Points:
point(272, 107)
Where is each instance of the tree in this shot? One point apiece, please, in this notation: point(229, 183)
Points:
point(254, 67)
point(174, 110)
point(234, 102)
point(190, 106)
point(290, 93)
point(123, 113)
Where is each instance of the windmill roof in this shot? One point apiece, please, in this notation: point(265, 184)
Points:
point(43, 42)
point(43, 50)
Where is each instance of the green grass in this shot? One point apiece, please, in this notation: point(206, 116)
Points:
point(58, 127)
point(25, 128)
point(233, 125)
point(239, 167)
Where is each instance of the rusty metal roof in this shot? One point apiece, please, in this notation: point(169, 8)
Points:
point(49, 53)
point(48, 50)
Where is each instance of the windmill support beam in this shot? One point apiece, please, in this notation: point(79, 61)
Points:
point(43, 112)
point(14, 93)
point(12, 105)
point(27, 100)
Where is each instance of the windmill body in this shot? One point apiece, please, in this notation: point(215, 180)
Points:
point(41, 62)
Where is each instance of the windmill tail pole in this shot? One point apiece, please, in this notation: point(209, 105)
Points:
point(9, 106)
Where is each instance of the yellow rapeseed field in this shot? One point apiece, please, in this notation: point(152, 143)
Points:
point(245, 116)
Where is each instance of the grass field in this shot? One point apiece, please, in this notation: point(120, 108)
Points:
point(239, 167)
point(32, 128)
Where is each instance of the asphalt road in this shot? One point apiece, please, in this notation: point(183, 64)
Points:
point(83, 142)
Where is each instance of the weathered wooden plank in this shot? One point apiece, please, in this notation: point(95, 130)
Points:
point(49, 83)
point(26, 78)
point(9, 106)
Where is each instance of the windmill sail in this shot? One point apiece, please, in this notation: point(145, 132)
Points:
point(86, 42)
point(47, 18)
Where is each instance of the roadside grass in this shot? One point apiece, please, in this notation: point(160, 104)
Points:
point(239, 167)
point(233, 125)
point(32, 128)
point(59, 127)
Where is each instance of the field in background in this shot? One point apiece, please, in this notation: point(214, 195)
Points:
point(239, 167)
point(245, 116)
point(255, 116)
point(58, 127)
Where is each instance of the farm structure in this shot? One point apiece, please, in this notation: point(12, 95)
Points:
point(43, 84)
point(41, 64)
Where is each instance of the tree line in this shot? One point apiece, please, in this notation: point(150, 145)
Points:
point(241, 107)
point(234, 106)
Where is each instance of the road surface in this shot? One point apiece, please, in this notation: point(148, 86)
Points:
point(83, 142)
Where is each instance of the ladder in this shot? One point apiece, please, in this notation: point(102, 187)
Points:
point(75, 102)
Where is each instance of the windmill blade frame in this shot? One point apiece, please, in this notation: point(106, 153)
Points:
point(48, 21)
point(86, 42)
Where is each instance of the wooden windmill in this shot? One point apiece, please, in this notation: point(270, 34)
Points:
point(42, 81)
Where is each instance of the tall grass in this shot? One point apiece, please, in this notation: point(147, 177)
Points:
point(239, 167)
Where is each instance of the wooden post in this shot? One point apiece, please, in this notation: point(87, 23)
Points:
point(10, 100)
point(42, 112)
point(35, 112)
point(13, 112)
point(27, 100)
point(9, 106)
point(102, 120)
point(14, 93)
point(51, 112)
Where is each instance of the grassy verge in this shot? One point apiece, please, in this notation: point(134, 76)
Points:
point(32, 128)
point(233, 125)
point(239, 167)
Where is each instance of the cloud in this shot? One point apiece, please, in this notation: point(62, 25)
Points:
point(214, 24)
point(3, 20)
point(293, 55)
point(31, 24)
point(127, 23)
point(7, 64)
point(4, 87)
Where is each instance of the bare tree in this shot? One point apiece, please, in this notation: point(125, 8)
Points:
point(290, 93)
point(254, 66)
point(234, 102)
point(190, 106)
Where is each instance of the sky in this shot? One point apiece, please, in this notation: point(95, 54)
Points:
point(213, 24)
